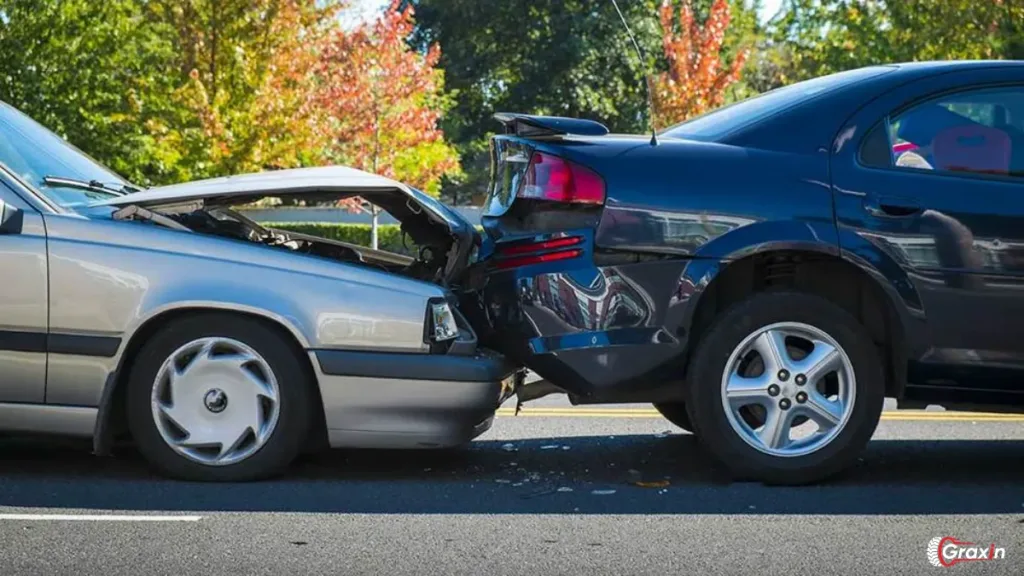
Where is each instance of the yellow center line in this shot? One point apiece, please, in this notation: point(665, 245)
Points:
point(908, 415)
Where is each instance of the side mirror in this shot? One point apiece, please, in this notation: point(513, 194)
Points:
point(11, 218)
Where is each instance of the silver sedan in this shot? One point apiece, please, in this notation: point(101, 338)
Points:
point(222, 348)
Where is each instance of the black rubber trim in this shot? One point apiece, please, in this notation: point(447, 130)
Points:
point(23, 341)
point(446, 367)
point(40, 342)
point(102, 346)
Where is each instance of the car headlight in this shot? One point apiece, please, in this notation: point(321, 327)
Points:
point(443, 322)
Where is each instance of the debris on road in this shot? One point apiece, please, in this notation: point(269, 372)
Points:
point(602, 492)
point(537, 494)
point(508, 447)
point(654, 484)
point(663, 434)
point(549, 447)
point(565, 489)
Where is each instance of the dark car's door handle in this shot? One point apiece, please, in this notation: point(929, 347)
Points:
point(891, 206)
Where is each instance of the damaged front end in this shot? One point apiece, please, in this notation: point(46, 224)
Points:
point(440, 243)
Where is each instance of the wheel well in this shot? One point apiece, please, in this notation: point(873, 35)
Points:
point(115, 410)
point(828, 276)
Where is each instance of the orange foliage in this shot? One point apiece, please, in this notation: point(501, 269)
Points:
point(383, 102)
point(697, 77)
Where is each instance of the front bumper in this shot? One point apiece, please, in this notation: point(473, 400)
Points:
point(398, 400)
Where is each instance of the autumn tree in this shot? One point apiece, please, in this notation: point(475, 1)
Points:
point(246, 87)
point(697, 78)
point(383, 102)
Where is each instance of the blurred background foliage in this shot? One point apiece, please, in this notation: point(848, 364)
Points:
point(169, 90)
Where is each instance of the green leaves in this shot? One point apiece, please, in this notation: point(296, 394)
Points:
point(817, 37)
point(555, 57)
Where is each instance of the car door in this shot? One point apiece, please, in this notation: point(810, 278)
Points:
point(23, 299)
point(931, 177)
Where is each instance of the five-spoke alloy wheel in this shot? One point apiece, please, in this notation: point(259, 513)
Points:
point(785, 388)
point(219, 397)
point(788, 389)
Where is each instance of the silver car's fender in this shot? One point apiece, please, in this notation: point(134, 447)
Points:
point(110, 280)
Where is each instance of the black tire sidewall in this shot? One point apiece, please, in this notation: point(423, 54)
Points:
point(675, 412)
point(294, 388)
point(704, 390)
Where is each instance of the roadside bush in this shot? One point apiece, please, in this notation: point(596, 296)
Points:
point(389, 236)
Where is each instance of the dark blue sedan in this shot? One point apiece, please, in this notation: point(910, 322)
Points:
point(768, 273)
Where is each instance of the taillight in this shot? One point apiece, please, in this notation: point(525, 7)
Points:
point(526, 248)
point(549, 177)
point(518, 254)
point(538, 259)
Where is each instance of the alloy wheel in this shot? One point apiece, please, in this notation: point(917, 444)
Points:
point(788, 389)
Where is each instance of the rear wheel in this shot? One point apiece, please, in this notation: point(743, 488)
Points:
point(219, 397)
point(675, 412)
point(786, 388)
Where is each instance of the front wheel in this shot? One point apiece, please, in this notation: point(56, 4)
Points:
point(786, 388)
point(218, 397)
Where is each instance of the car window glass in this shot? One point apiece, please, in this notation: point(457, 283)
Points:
point(727, 119)
point(874, 149)
point(974, 132)
point(33, 152)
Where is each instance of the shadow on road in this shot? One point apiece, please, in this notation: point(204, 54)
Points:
point(524, 477)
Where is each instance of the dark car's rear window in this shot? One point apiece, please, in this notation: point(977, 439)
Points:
point(726, 120)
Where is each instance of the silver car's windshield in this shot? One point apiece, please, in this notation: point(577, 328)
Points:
point(34, 153)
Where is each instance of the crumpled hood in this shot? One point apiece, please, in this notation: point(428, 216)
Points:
point(425, 219)
point(237, 189)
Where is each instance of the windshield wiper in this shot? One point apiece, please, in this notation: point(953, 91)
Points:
point(91, 185)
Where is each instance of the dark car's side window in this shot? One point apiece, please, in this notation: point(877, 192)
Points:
point(969, 132)
point(874, 149)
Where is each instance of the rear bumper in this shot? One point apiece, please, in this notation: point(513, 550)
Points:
point(602, 334)
point(395, 400)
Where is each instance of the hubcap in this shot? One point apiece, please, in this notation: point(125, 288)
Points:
point(780, 415)
point(215, 401)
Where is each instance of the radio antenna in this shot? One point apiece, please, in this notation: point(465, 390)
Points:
point(647, 77)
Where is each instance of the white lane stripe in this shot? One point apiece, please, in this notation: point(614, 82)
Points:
point(98, 518)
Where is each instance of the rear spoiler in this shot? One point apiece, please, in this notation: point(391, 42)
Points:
point(530, 126)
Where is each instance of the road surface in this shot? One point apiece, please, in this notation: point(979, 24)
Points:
point(550, 491)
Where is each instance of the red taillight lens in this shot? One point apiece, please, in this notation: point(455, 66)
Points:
point(549, 177)
point(526, 253)
point(538, 258)
point(526, 248)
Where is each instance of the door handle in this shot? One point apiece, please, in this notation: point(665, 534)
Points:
point(891, 206)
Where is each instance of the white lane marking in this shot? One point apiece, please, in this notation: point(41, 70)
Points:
point(98, 518)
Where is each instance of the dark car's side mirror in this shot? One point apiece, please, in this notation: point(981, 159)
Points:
point(11, 218)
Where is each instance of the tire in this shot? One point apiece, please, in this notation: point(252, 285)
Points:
point(731, 435)
point(283, 431)
point(675, 412)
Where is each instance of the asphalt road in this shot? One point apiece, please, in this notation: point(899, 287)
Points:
point(547, 493)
